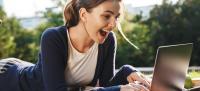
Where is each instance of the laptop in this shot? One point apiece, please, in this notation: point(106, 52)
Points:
point(170, 69)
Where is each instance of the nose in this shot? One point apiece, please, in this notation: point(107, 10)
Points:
point(112, 23)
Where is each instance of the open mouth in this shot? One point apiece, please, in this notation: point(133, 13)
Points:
point(103, 32)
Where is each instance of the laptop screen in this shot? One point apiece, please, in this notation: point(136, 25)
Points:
point(170, 67)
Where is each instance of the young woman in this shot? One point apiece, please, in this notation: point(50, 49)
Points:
point(77, 56)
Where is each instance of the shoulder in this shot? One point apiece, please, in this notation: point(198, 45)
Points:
point(54, 32)
point(54, 38)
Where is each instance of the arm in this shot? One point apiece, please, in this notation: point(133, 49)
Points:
point(107, 81)
point(109, 61)
point(53, 57)
point(108, 65)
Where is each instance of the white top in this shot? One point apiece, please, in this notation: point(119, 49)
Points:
point(81, 67)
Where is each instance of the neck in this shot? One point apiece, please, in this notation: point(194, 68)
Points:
point(80, 38)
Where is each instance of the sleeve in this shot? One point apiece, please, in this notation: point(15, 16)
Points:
point(108, 66)
point(120, 77)
point(111, 88)
point(109, 61)
point(53, 58)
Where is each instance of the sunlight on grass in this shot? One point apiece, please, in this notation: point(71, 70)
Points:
point(194, 74)
point(192, 79)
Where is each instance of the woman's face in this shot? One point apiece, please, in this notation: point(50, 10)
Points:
point(102, 19)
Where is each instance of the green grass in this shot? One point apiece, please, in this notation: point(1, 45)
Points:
point(190, 76)
point(194, 74)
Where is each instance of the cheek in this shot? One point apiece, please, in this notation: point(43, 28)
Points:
point(100, 21)
point(94, 24)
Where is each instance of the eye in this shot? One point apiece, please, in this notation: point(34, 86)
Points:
point(107, 17)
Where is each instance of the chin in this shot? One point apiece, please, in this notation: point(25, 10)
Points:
point(101, 41)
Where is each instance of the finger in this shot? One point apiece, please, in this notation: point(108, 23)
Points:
point(130, 80)
point(146, 78)
point(141, 80)
point(142, 83)
point(143, 88)
point(139, 87)
point(146, 83)
point(137, 76)
point(135, 86)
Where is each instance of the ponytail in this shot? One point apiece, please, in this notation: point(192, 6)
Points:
point(70, 14)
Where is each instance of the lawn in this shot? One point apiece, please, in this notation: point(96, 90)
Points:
point(192, 79)
point(194, 74)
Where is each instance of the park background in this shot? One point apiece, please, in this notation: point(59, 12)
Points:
point(149, 26)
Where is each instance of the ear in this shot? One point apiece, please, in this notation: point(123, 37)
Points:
point(83, 14)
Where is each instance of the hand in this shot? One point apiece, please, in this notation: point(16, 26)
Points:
point(133, 87)
point(139, 77)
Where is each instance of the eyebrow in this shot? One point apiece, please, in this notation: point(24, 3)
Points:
point(109, 11)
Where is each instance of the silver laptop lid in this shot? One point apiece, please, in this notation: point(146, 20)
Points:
point(170, 67)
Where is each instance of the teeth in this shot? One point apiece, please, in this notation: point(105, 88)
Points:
point(105, 30)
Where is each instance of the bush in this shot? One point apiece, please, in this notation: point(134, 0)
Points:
point(188, 82)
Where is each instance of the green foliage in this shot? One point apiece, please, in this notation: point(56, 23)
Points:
point(188, 82)
point(23, 43)
point(16, 41)
point(174, 24)
point(138, 34)
point(53, 20)
point(168, 24)
point(26, 46)
point(7, 44)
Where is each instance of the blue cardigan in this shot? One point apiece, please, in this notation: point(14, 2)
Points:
point(48, 73)
point(53, 60)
